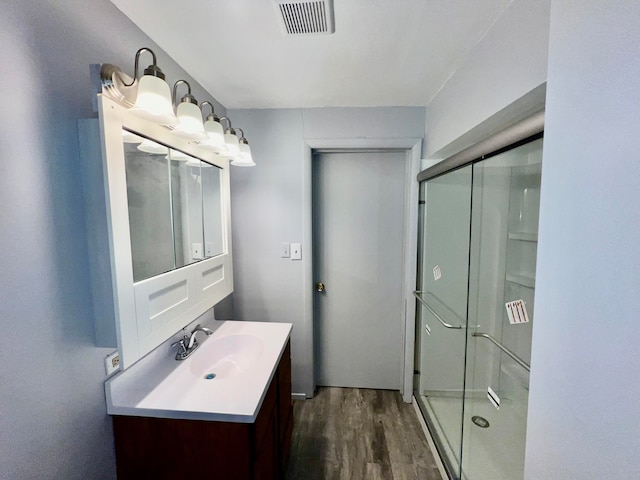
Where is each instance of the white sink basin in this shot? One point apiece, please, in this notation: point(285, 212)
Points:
point(226, 357)
point(242, 356)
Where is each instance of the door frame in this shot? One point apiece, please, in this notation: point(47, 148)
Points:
point(413, 148)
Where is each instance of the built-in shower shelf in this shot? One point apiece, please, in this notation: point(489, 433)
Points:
point(523, 236)
point(524, 280)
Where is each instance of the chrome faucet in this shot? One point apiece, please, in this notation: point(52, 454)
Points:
point(192, 339)
point(188, 343)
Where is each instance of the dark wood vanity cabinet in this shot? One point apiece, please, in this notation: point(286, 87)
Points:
point(149, 447)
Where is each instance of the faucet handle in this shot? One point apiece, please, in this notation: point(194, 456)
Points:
point(181, 344)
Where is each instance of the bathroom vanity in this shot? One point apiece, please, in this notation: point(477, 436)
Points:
point(225, 412)
point(159, 202)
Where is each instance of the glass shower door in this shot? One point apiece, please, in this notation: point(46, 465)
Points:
point(442, 309)
point(505, 205)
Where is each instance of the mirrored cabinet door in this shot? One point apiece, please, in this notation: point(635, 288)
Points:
point(187, 208)
point(149, 201)
point(175, 207)
point(212, 213)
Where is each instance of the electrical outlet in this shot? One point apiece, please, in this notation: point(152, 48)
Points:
point(112, 363)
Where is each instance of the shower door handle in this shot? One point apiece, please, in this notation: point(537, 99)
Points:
point(433, 312)
point(320, 287)
point(515, 357)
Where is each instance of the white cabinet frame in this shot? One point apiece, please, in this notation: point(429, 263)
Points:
point(148, 312)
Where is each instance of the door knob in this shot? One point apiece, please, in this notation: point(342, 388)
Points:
point(319, 287)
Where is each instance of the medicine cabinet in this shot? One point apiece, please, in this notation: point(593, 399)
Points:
point(158, 219)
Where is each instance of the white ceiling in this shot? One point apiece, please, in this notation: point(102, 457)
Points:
point(383, 52)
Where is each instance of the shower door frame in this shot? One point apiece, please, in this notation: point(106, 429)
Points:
point(523, 132)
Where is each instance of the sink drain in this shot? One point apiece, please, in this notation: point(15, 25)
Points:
point(480, 421)
point(209, 376)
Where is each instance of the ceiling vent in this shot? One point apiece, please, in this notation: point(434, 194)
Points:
point(306, 17)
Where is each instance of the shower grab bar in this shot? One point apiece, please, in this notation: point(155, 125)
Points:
point(438, 317)
point(515, 357)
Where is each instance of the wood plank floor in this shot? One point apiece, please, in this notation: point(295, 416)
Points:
point(354, 434)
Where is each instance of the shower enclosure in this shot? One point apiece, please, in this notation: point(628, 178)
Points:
point(476, 284)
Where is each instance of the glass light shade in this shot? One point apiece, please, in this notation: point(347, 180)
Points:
point(189, 122)
point(215, 137)
point(130, 137)
point(150, 146)
point(232, 143)
point(154, 101)
point(244, 159)
point(245, 151)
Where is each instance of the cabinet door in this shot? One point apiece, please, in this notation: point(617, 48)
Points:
point(266, 466)
point(166, 448)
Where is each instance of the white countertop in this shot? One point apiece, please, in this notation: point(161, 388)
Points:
point(242, 355)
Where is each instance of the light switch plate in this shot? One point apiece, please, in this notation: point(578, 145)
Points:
point(296, 251)
point(284, 250)
point(196, 251)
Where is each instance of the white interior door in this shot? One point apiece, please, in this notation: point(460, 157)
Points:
point(358, 225)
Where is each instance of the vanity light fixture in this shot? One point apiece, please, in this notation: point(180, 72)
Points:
point(148, 97)
point(153, 100)
point(215, 134)
point(231, 140)
point(244, 158)
point(189, 116)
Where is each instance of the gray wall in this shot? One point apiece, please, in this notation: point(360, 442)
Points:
point(583, 412)
point(53, 421)
point(269, 207)
point(509, 62)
